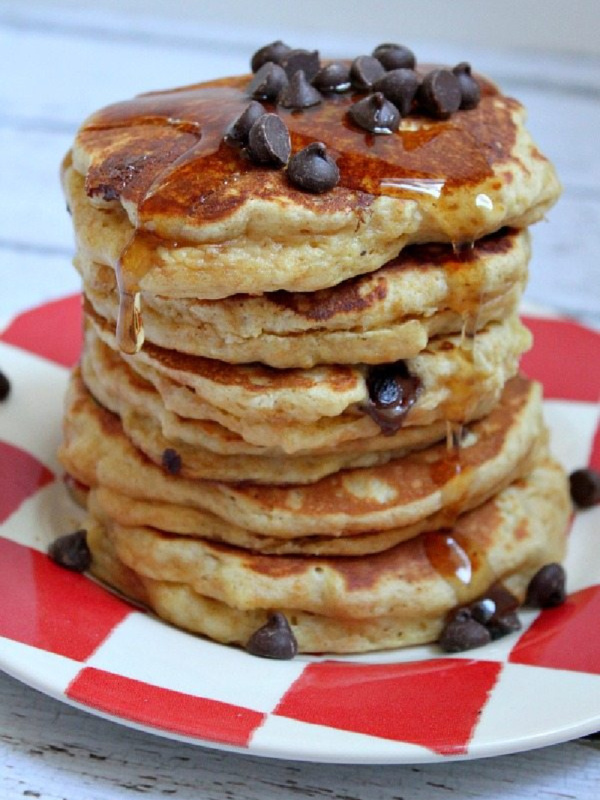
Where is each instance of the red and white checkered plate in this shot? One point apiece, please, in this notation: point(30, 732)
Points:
point(67, 636)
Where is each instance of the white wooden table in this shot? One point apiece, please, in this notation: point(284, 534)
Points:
point(60, 66)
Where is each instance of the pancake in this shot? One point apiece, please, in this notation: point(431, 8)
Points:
point(396, 598)
point(384, 316)
point(306, 410)
point(159, 164)
point(96, 452)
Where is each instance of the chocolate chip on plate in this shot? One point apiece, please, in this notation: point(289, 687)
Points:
point(439, 94)
point(4, 386)
point(462, 632)
point(547, 587)
point(269, 141)
point(469, 88)
point(299, 93)
point(364, 71)
point(392, 393)
point(268, 82)
point(313, 170)
point(239, 130)
point(500, 626)
point(71, 551)
point(333, 77)
point(306, 60)
point(585, 487)
point(274, 640)
point(399, 86)
point(375, 114)
point(394, 56)
point(171, 461)
point(270, 52)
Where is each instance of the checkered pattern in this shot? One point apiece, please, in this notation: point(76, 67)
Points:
point(416, 705)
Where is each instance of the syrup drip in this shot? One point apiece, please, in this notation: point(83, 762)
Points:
point(136, 259)
point(448, 558)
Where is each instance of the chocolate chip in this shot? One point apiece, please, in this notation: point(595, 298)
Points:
point(306, 60)
point(463, 633)
point(399, 87)
point(364, 71)
point(375, 114)
point(394, 56)
point(299, 93)
point(171, 461)
point(585, 487)
point(239, 130)
point(268, 82)
point(273, 640)
point(269, 141)
point(503, 625)
point(392, 393)
point(4, 387)
point(483, 610)
point(334, 77)
point(469, 88)
point(504, 601)
point(313, 170)
point(547, 587)
point(270, 52)
point(71, 551)
point(439, 94)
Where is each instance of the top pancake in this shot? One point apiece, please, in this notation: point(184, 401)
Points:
point(213, 224)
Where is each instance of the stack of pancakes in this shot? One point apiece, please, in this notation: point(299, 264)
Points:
point(308, 403)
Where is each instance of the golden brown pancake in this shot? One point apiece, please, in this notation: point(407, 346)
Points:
point(395, 598)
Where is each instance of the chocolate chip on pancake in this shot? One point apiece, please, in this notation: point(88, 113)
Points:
point(306, 60)
point(313, 169)
point(269, 141)
point(333, 77)
point(375, 114)
point(299, 93)
point(240, 129)
point(394, 56)
point(392, 393)
point(440, 93)
point(268, 82)
point(270, 52)
point(364, 71)
point(399, 86)
point(469, 88)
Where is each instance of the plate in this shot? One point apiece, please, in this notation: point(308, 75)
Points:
point(67, 636)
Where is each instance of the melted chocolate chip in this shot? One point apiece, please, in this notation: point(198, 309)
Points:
point(439, 94)
point(273, 640)
point(469, 88)
point(306, 60)
point(395, 56)
point(4, 387)
point(547, 587)
point(274, 52)
point(313, 170)
point(334, 77)
point(299, 93)
point(240, 129)
point(399, 87)
point(392, 393)
point(268, 82)
point(171, 461)
point(375, 114)
point(364, 71)
point(71, 551)
point(585, 487)
point(463, 633)
point(269, 141)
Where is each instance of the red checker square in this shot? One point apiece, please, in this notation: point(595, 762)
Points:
point(21, 475)
point(166, 709)
point(53, 331)
point(52, 608)
point(594, 460)
point(564, 358)
point(436, 703)
point(565, 637)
